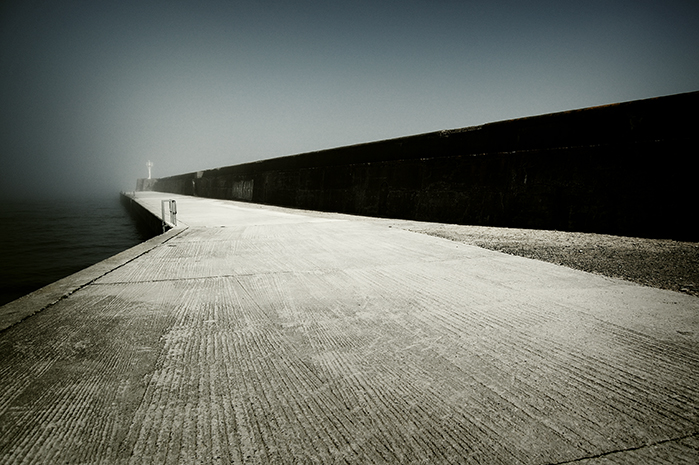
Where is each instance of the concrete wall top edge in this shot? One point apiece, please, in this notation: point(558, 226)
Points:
point(658, 118)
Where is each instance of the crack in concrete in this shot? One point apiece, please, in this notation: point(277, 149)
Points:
point(70, 292)
point(194, 278)
point(630, 449)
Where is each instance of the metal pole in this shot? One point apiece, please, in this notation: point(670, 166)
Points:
point(173, 212)
point(172, 209)
point(162, 214)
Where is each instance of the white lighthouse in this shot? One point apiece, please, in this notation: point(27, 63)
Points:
point(149, 165)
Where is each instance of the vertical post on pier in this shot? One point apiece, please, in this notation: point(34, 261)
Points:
point(173, 212)
point(172, 208)
point(162, 214)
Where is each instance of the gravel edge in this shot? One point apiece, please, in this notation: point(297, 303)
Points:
point(660, 263)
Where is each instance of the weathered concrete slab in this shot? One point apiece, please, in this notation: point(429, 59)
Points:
point(265, 335)
point(24, 307)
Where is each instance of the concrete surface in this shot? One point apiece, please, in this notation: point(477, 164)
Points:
point(260, 335)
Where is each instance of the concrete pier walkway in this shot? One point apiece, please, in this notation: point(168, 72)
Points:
point(251, 334)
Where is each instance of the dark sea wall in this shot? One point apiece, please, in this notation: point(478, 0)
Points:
point(149, 225)
point(627, 169)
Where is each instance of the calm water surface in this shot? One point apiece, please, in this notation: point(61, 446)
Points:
point(44, 241)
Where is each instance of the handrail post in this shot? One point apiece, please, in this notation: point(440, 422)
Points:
point(172, 208)
point(173, 212)
point(162, 214)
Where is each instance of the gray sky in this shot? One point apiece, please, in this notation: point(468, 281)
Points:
point(91, 90)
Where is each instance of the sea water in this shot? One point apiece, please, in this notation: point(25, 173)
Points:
point(44, 240)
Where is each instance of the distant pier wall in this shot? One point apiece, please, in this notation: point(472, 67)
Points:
point(149, 224)
point(628, 169)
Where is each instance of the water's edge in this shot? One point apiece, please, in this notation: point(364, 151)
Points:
point(144, 219)
point(44, 241)
point(19, 309)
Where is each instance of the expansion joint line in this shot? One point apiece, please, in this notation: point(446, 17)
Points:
point(165, 280)
point(191, 278)
point(630, 449)
point(92, 281)
point(116, 268)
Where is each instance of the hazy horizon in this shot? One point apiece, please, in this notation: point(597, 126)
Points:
point(90, 91)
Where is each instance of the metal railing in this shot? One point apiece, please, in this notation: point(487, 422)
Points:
point(172, 208)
